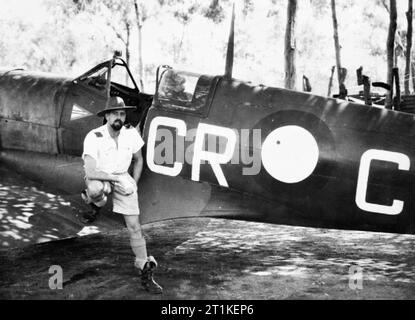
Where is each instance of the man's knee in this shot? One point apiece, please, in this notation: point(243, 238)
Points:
point(96, 189)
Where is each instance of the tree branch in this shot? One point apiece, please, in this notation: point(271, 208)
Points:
point(385, 5)
point(119, 36)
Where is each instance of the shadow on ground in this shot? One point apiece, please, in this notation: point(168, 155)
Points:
point(32, 213)
point(218, 259)
point(199, 258)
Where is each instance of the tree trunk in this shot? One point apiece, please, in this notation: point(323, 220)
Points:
point(139, 22)
point(395, 56)
point(397, 100)
point(365, 81)
point(127, 52)
point(331, 82)
point(408, 47)
point(179, 45)
point(340, 75)
point(306, 84)
point(290, 72)
point(366, 90)
point(390, 50)
point(413, 75)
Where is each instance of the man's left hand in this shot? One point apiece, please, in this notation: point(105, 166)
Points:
point(126, 184)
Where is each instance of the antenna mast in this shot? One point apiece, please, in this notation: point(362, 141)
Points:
point(229, 52)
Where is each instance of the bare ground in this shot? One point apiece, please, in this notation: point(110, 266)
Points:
point(198, 258)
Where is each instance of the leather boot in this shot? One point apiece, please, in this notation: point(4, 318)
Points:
point(90, 216)
point(147, 280)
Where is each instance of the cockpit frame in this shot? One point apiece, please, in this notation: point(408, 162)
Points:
point(172, 93)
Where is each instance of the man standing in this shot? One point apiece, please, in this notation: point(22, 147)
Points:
point(108, 151)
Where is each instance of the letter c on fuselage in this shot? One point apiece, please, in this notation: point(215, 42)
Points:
point(180, 125)
point(403, 162)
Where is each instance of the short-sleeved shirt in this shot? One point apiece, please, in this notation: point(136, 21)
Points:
point(102, 147)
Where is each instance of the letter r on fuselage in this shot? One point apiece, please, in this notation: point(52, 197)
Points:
point(215, 159)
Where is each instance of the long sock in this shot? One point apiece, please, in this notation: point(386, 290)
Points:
point(138, 245)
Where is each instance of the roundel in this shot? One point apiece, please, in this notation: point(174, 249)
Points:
point(298, 154)
point(290, 154)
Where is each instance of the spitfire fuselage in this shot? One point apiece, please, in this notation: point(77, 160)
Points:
point(228, 149)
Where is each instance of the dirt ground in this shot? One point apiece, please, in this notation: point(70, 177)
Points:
point(199, 258)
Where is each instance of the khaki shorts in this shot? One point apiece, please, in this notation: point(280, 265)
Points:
point(127, 205)
point(123, 204)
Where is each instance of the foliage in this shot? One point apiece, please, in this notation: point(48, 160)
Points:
point(69, 37)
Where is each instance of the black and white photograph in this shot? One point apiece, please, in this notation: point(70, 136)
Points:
point(217, 151)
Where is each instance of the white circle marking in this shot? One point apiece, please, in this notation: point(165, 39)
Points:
point(290, 154)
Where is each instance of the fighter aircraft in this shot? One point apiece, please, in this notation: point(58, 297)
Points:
point(221, 147)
